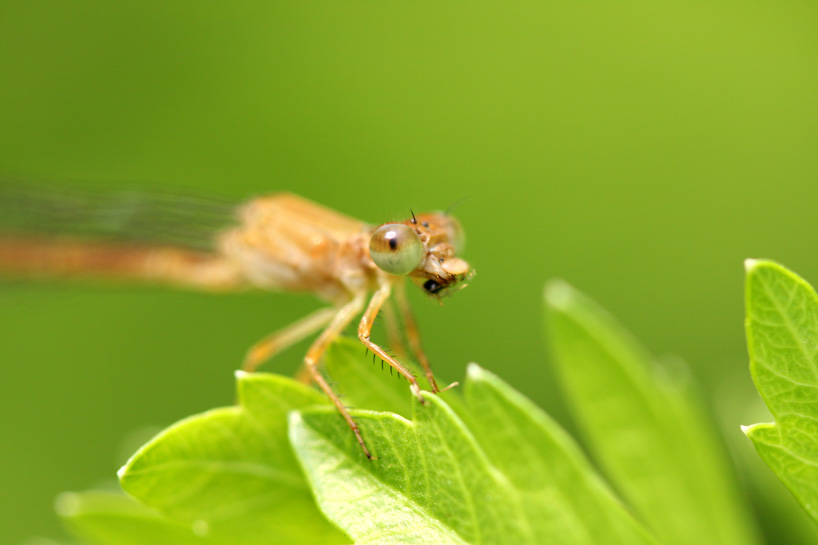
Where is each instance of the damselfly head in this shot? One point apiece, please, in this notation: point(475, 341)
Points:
point(424, 247)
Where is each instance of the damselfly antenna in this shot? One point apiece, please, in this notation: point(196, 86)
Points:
point(455, 204)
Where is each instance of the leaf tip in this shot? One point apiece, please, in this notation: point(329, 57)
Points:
point(753, 431)
point(67, 504)
point(750, 264)
point(474, 371)
point(294, 419)
point(558, 293)
point(240, 374)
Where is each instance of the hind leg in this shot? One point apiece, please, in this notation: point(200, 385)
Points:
point(284, 338)
point(343, 316)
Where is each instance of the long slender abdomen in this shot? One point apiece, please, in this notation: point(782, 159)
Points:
point(57, 258)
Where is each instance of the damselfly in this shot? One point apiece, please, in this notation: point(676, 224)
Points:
point(275, 242)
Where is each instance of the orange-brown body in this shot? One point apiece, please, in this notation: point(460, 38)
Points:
point(282, 242)
point(285, 242)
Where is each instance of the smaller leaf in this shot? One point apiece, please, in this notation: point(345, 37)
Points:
point(232, 470)
point(645, 426)
point(545, 465)
point(112, 518)
point(46, 541)
point(782, 328)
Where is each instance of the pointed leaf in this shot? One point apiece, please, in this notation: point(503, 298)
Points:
point(544, 465)
point(434, 482)
point(112, 518)
point(782, 328)
point(645, 427)
point(232, 470)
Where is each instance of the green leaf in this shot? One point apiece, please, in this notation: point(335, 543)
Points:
point(545, 464)
point(517, 478)
point(366, 386)
point(112, 518)
point(782, 328)
point(231, 471)
point(645, 426)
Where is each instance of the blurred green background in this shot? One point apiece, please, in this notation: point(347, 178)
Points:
point(639, 150)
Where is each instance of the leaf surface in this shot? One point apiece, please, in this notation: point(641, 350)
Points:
point(112, 518)
point(370, 386)
point(514, 478)
point(782, 338)
point(645, 426)
point(232, 471)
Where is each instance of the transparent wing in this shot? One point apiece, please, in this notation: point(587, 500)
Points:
point(103, 213)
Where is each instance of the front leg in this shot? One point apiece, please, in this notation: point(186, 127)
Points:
point(365, 329)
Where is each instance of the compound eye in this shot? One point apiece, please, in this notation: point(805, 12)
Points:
point(396, 248)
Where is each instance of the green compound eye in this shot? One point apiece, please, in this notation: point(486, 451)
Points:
point(396, 248)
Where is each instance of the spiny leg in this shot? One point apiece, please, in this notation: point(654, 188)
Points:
point(365, 329)
point(393, 331)
point(342, 317)
point(413, 334)
point(284, 338)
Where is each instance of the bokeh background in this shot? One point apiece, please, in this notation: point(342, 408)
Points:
point(639, 150)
